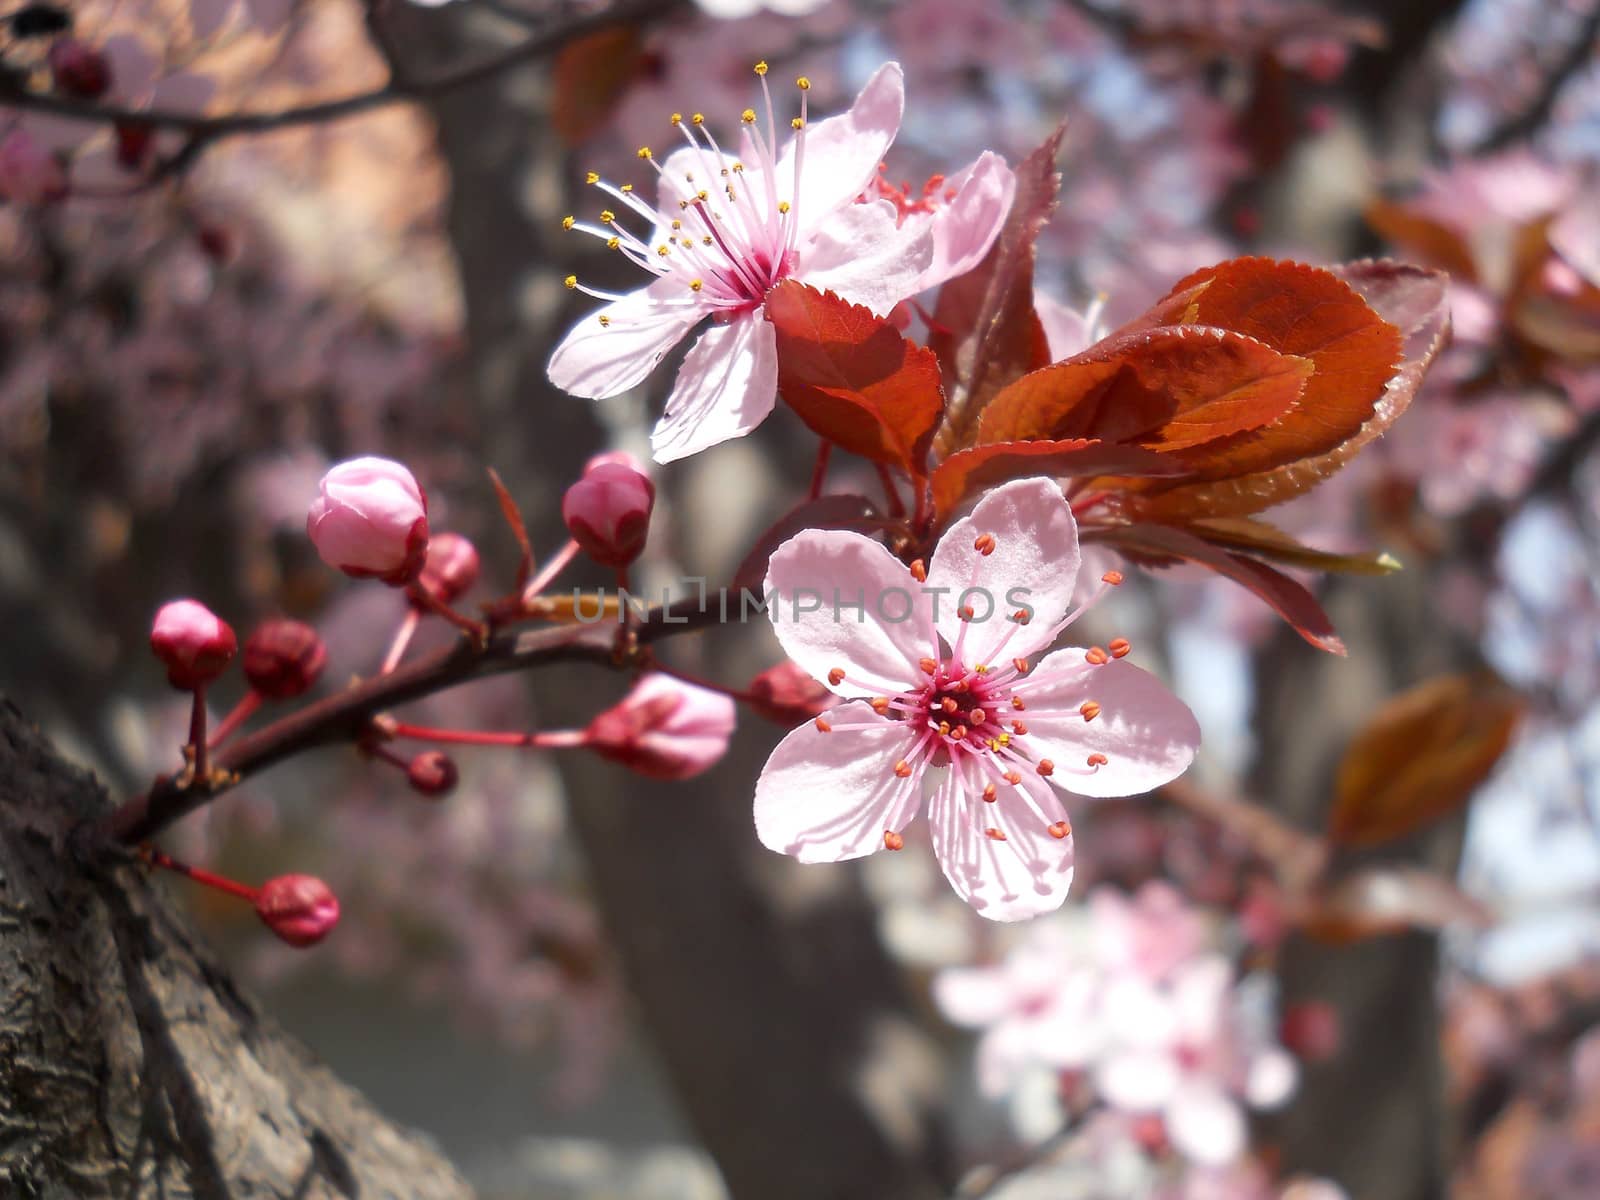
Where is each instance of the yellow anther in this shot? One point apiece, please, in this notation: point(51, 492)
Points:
point(761, 68)
point(677, 118)
point(706, 241)
point(796, 123)
point(627, 187)
point(607, 216)
point(568, 222)
point(803, 84)
point(663, 250)
point(571, 281)
point(604, 321)
point(748, 116)
point(613, 243)
point(696, 284)
point(783, 206)
point(677, 224)
point(644, 152)
point(592, 177)
point(698, 119)
point(702, 195)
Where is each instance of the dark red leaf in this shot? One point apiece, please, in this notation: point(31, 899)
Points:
point(1168, 389)
point(1160, 544)
point(1412, 300)
point(853, 378)
point(968, 471)
point(985, 330)
point(591, 76)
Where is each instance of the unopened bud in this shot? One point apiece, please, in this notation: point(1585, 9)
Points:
point(283, 658)
point(299, 909)
point(608, 512)
point(192, 642)
point(79, 69)
point(787, 695)
point(370, 519)
point(433, 773)
point(664, 728)
point(451, 567)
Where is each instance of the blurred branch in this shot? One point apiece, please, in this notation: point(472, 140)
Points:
point(206, 129)
point(1526, 123)
point(347, 717)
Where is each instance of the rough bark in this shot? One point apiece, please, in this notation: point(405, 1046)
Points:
point(131, 1066)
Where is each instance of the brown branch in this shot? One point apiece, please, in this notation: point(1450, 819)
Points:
point(348, 716)
point(1527, 122)
point(208, 129)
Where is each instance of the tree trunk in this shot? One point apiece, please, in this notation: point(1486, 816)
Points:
point(131, 1066)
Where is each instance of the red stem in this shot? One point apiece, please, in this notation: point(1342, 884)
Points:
point(242, 712)
point(220, 883)
point(891, 494)
point(819, 473)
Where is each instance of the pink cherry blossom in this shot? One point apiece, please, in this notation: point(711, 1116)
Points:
point(730, 224)
point(1188, 1049)
point(953, 699)
point(370, 518)
point(664, 728)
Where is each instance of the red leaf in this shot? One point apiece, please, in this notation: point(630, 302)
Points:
point(1420, 756)
point(591, 75)
point(853, 378)
point(1306, 311)
point(1261, 540)
point(984, 329)
point(1412, 300)
point(1162, 544)
point(966, 471)
point(1167, 389)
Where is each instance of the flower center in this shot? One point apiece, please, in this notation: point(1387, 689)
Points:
point(726, 230)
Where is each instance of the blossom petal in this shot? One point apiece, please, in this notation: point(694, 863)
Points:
point(842, 153)
point(614, 349)
point(1138, 1080)
point(964, 228)
point(1205, 1124)
point(1034, 563)
point(974, 996)
point(1147, 735)
point(836, 570)
point(1027, 873)
point(862, 256)
point(827, 797)
point(726, 387)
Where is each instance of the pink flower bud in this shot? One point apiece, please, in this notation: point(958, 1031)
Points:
point(451, 567)
point(433, 773)
point(370, 519)
point(787, 695)
point(300, 909)
point(283, 658)
point(616, 458)
point(79, 69)
point(29, 173)
point(664, 728)
point(608, 512)
point(192, 642)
